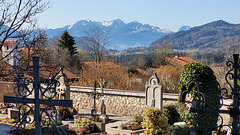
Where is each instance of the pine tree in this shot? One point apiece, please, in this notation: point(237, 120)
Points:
point(67, 41)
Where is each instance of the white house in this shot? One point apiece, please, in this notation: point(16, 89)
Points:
point(10, 48)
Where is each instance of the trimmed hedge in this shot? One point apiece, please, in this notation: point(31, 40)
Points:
point(197, 72)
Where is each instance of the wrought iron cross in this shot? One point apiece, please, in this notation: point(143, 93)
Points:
point(103, 107)
point(49, 92)
point(93, 111)
point(200, 104)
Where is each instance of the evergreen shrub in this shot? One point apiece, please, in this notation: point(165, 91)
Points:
point(172, 114)
point(180, 130)
point(204, 75)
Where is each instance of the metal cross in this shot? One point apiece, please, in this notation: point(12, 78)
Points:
point(103, 107)
point(233, 111)
point(36, 101)
point(93, 111)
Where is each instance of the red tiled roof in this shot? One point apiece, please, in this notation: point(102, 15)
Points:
point(142, 71)
point(9, 42)
point(179, 61)
point(106, 64)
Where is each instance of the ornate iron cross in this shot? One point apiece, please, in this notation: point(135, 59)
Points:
point(200, 103)
point(48, 91)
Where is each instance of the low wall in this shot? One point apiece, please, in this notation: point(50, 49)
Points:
point(6, 89)
point(120, 102)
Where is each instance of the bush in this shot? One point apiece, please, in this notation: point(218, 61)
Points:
point(138, 118)
point(155, 122)
point(172, 114)
point(180, 130)
point(197, 72)
point(84, 123)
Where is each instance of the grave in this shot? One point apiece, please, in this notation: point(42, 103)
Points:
point(13, 114)
point(154, 93)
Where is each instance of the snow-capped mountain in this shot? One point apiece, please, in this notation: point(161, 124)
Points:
point(184, 28)
point(123, 35)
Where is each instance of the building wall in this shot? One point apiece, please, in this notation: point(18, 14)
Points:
point(13, 58)
point(120, 102)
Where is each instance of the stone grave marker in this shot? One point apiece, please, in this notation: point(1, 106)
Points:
point(154, 93)
point(13, 114)
point(63, 90)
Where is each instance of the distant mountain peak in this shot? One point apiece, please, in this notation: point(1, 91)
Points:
point(219, 23)
point(185, 28)
point(205, 38)
point(123, 35)
point(117, 22)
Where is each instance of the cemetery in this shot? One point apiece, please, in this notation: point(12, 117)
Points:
point(85, 110)
point(40, 103)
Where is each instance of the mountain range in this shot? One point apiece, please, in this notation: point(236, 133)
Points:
point(212, 37)
point(123, 35)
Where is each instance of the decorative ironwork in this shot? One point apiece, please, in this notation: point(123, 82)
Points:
point(200, 104)
point(25, 87)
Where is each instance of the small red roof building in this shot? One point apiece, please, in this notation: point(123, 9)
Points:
point(179, 61)
point(9, 42)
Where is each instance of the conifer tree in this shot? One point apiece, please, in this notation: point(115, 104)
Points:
point(67, 41)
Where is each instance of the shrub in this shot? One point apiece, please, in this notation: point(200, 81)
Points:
point(84, 123)
point(180, 130)
point(155, 122)
point(172, 114)
point(138, 118)
point(197, 72)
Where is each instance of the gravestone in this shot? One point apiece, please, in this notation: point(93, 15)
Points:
point(154, 93)
point(13, 114)
point(63, 90)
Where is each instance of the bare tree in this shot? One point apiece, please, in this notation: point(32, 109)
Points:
point(96, 41)
point(17, 15)
point(17, 22)
point(162, 51)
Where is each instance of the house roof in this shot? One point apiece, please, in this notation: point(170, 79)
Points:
point(138, 71)
point(9, 42)
point(106, 64)
point(179, 61)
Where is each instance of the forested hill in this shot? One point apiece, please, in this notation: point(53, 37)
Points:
point(211, 37)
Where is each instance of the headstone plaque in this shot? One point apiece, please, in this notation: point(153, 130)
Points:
point(154, 94)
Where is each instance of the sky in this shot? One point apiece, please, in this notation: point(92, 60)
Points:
point(168, 14)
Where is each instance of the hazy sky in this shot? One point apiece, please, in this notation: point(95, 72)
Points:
point(169, 14)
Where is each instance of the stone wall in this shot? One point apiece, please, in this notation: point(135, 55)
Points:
point(6, 89)
point(120, 102)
